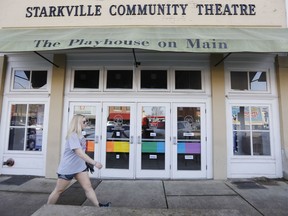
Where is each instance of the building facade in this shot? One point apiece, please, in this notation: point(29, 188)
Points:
point(171, 90)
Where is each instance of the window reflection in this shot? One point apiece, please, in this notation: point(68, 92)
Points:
point(25, 79)
point(248, 80)
point(21, 79)
point(188, 138)
point(89, 131)
point(153, 137)
point(26, 127)
point(254, 139)
point(117, 140)
point(258, 81)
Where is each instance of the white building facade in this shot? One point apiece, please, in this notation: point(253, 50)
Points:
point(171, 90)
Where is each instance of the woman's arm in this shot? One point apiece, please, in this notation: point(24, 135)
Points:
point(86, 158)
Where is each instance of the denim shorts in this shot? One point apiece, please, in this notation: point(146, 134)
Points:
point(69, 177)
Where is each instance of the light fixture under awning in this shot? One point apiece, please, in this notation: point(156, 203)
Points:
point(171, 39)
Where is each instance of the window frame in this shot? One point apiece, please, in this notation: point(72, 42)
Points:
point(31, 69)
point(167, 69)
point(247, 70)
point(203, 78)
point(272, 129)
point(72, 79)
point(113, 78)
point(6, 131)
point(104, 80)
point(251, 130)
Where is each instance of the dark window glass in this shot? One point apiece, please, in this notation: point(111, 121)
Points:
point(86, 79)
point(16, 139)
point(39, 79)
point(188, 80)
point(153, 79)
point(119, 79)
point(239, 80)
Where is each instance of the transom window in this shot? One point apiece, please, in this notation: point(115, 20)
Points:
point(119, 79)
point(251, 130)
point(186, 79)
point(88, 79)
point(148, 79)
point(248, 80)
point(29, 79)
point(153, 79)
point(26, 127)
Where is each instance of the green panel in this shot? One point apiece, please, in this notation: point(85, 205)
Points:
point(149, 147)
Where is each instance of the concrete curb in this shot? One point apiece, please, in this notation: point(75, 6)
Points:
point(48, 210)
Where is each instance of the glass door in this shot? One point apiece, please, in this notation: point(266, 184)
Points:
point(189, 142)
point(92, 132)
point(153, 140)
point(118, 150)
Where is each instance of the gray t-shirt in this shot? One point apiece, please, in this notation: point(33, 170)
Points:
point(70, 162)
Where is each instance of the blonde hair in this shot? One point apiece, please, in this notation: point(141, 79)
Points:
point(75, 126)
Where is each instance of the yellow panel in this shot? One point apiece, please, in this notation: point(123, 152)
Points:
point(121, 146)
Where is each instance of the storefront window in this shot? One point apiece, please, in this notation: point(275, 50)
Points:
point(248, 80)
point(88, 79)
point(26, 79)
point(26, 127)
point(251, 132)
point(188, 80)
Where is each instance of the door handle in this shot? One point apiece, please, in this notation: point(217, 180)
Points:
point(174, 140)
point(10, 162)
point(131, 139)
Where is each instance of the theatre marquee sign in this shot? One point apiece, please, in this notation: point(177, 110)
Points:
point(90, 13)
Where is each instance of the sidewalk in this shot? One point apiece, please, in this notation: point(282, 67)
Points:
point(147, 197)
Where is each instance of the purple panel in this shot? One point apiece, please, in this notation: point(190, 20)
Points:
point(193, 148)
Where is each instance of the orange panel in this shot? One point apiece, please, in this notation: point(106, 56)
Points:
point(109, 146)
point(90, 146)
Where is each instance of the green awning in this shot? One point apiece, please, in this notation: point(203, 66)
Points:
point(171, 39)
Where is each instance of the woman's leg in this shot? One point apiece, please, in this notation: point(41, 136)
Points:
point(61, 185)
point(84, 180)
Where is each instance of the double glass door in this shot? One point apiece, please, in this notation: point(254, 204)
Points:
point(145, 140)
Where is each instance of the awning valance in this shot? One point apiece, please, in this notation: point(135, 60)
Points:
point(171, 39)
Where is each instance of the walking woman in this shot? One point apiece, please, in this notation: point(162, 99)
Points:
point(73, 164)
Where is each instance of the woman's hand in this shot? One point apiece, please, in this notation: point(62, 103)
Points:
point(86, 158)
point(98, 165)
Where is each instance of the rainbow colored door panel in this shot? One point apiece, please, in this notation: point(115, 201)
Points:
point(188, 138)
point(153, 138)
point(117, 146)
point(117, 137)
point(89, 111)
